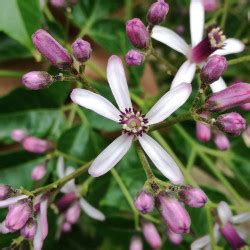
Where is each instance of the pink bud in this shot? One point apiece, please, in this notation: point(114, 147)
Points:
point(73, 213)
point(134, 58)
point(176, 216)
point(136, 243)
point(151, 235)
point(245, 106)
point(232, 123)
point(36, 145)
point(65, 201)
point(137, 33)
point(157, 12)
point(221, 141)
point(144, 202)
point(18, 135)
point(5, 191)
point(29, 230)
point(66, 227)
point(51, 49)
point(233, 96)
point(193, 197)
point(18, 215)
point(81, 50)
point(210, 5)
point(203, 132)
point(174, 238)
point(38, 172)
point(37, 80)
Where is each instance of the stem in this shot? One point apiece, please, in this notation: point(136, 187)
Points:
point(210, 226)
point(224, 16)
point(97, 69)
point(191, 160)
point(10, 73)
point(128, 9)
point(239, 60)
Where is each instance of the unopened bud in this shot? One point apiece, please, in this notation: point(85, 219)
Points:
point(151, 235)
point(18, 135)
point(66, 227)
point(38, 172)
point(174, 238)
point(73, 213)
point(134, 58)
point(36, 145)
point(203, 132)
point(157, 12)
point(144, 202)
point(221, 141)
point(29, 230)
point(137, 33)
point(176, 216)
point(213, 69)
point(65, 201)
point(232, 123)
point(193, 197)
point(81, 50)
point(51, 49)
point(37, 80)
point(5, 191)
point(136, 243)
point(210, 5)
point(233, 96)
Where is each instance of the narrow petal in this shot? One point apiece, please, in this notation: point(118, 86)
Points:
point(118, 83)
point(224, 212)
point(38, 242)
point(96, 103)
point(12, 200)
point(241, 218)
point(169, 103)
point(162, 160)
point(110, 156)
point(60, 167)
point(91, 211)
point(232, 46)
point(185, 74)
point(171, 39)
point(200, 243)
point(196, 13)
point(70, 185)
point(218, 85)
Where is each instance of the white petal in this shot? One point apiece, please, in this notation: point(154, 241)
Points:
point(232, 46)
point(91, 211)
point(161, 159)
point(118, 83)
point(70, 185)
point(216, 232)
point(60, 167)
point(110, 156)
point(169, 103)
point(218, 85)
point(38, 242)
point(224, 212)
point(95, 102)
point(12, 200)
point(240, 218)
point(171, 39)
point(200, 243)
point(185, 74)
point(196, 12)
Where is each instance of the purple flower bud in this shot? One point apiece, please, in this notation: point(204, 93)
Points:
point(73, 213)
point(38, 172)
point(18, 135)
point(151, 235)
point(51, 49)
point(137, 33)
point(37, 80)
point(193, 197)
point(233, 96)
point(36, 145)
point(157, 12)
point(81, 50)
point(144, 202)
point(5, 191)
point(232, 236)
point(221, 141)
point(213, 69)
point(65, 201)
point(136, 243)
point(176, 216)
point(18, 215)
point(232, 123)
point(174, 238)
point(66, 227)
point(210, 5)
point(245, 106)
point(203, 132)
point(134, 58)
point(29, 230)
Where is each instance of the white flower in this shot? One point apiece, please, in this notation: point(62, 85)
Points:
point(200, 49)
point(134, 124)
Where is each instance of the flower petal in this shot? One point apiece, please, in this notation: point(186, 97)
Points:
point(224, 212)
point(60, 167)
point(196, 13)
point(110, 156)
point(232, 46)
point(12, 200)
point(162, 160)
point(118, 83)
point(185, 74)
point(171, 39)
point(218, 85)
point(95, 102)
point(241, 218)
point(169, 103)
point(200, 243)
point(70, 185)
point(91, 211)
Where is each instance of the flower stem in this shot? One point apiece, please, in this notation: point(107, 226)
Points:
point(10, 73)
point(239, 60)
point(225, 12)
point(210, 226)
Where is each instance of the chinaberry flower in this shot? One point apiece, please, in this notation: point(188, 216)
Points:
point(38, 172)
point(36, 145)
point(136, 243)
point(29, 230)
point(134, 58)
point(221, 141)
point(5, 191)
point(210, 5)
point(151, 235)
point(174, 238)
point(133, 123)
point(18, 135)
point(213, 43)
point(81, 50)
point(203, 131)
point(144, 202)
point(157, 12)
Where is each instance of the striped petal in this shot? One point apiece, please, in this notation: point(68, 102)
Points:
point(12, 200)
